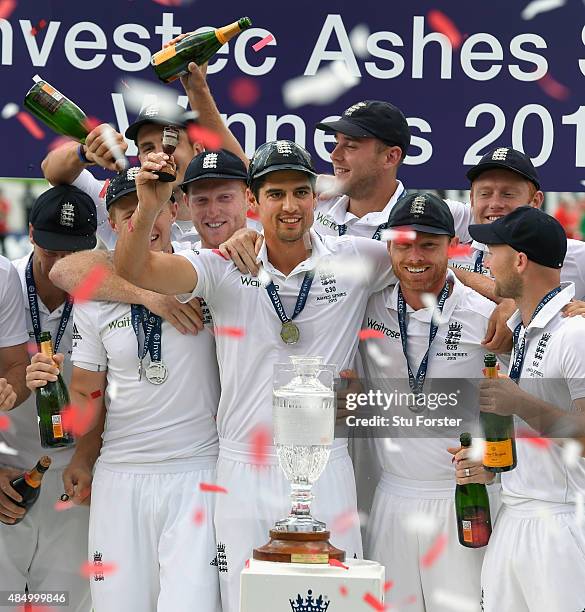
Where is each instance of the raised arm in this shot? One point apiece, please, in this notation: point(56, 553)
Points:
point(13, 363)
point(133, 259)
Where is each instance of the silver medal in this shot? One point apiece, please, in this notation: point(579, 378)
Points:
point(156, 372)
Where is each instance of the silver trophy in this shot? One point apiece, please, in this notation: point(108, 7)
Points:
point(303, 415)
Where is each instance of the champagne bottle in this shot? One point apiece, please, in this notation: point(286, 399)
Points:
point(51, 399)
point(500, 443)
point(472, 507)
point(56, 110)
point(29, 485)
point(171, 63)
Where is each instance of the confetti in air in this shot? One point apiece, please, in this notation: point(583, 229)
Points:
point(90, 283)
point(366, 334)
point(7, 450)
point(435, 551)
point(381, 360)
point(6, 8)
point(553, 88)
point(262, 43)
point(62, 506)
point(4, 422)
point(572, 452)
point(336, 563)
point(112, 390)
point(358, 38)
point(89, 569)
point(460, 250)
point(199, 516)
point(477, 449)
point(421, 523)
point(91, 123)
point(343, 590)
point(104, 189)
point(430, 301)
point(29, 608)
point(79, 421)
point(27, 121)
point(391, 447)
point(139, 93)
point(324, 87)
point(260, 443)
point(211, 488)
point(40, 25)
point(209, 139)
point(264, 277)
point(400, 236)
point(453, 601)
point(388, 585)
point(231, 332)
point(111, 142)
point(528, 436)
point(374, 602)
point(444, 25)
point(244, 92)
point(345, 521)
point(536, 7)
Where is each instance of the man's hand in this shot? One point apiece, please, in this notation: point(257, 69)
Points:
point(243, 248)
point(468, 471)
point(152, 193)
point(498, 337)
point(43, 369)
point(7, 395)
point(574, 308)
point(196, 77)
point(500, 395)
point(8, 509)
point(77, 478)
point(185, 318)
point(353, 386)
point(101, 144)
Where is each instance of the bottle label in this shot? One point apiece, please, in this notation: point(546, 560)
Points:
point(48, 98)
point(164, 55)
point(467, 532)
point(498, 454)
point(57, 426)
point(476, 527)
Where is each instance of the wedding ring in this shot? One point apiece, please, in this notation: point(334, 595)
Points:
point(467, 472)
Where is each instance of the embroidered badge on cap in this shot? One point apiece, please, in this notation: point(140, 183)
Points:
point(210, 160)
point(418, 206)
point(351, 110)
point(67, 214)
point(500, 154)
point(151, 111)
point(283, 147)
point(131, 173)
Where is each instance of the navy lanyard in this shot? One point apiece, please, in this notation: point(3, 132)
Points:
point(519, 348)
point(152, 326)
point(342, 228)
point(416, 384)
point(301, 299)
point(478, 266)
point(33, 302)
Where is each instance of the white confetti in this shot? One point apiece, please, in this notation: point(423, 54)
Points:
point(391, 447)
point(324, 87)
point(454, 602)
point(477, 450)
point(358, 38)
point(139, 93)
point(264, 277)
point(381, 360)
point(343, 267)
point(422, 523)
point(534, 8)
point(328, 187)
point(572, 450)
point(112, 144)
point(430, 301)
point(10, 110)
point(112, 390)
point(7, 450)
point(399, 235)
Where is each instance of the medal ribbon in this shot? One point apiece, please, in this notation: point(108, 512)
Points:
point(342, 228)
point(33, 302)
point(152, 326)
point(478, 266)
point(520, 347)
point(417, 383)
point(301, 299)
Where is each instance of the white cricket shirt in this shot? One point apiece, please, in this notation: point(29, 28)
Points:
point(554, 370)
point(329, 323)
point(456, 353)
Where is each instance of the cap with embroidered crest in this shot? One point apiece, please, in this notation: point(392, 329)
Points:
point(372, 119)
point(220, 164)
point(159, 114)
point(423, 212)
point(280, 155)
point(64, 218)
point(506, 158)
point(122, 184)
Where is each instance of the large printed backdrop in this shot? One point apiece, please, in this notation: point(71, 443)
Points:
point(514, 75)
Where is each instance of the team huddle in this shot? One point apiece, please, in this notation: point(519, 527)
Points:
point(212, 279)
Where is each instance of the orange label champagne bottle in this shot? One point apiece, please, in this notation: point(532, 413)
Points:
point(29, 485)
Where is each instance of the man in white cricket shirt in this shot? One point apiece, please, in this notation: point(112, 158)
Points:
point(413, 505)
point(323, 309)
point(535, 560)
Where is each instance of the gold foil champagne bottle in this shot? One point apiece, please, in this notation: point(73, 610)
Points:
point(29, 485)
point(56, 111)
point(498, 430)
point(51, 400)
point(171, 63)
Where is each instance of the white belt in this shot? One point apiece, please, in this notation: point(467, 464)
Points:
point(245, 453)
point(408, 487)
point(173, 466)
point(534, 508)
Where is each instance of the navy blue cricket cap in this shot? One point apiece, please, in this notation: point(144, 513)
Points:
point(280, 155)
point(160, 114)
point(527, 230)
point(372, 119)
point(423, 212)
point(64, 218)
point(506, 158)
point(220, 164)
point(122, 184)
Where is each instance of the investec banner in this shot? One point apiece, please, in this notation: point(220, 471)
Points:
point(516, 79)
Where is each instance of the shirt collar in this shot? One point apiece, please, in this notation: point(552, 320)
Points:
point(339, 213)
point(546, 314)
point(318, 250)
point(478, 246)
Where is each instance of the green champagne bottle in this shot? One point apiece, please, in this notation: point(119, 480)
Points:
point(472, 507)
point(500, 442)
point(51, 399)
point(171, 63)
point(56, 110)
point(29, 485)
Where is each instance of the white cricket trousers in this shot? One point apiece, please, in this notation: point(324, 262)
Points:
point(535, 561)
point(258, 496)
point(47, 549)
point(156, 526)
point(412, 531)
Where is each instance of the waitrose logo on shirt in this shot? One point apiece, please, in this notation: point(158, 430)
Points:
point(376, 326)
point(120, 322)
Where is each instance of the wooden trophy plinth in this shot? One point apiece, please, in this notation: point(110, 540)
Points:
point(298, 547)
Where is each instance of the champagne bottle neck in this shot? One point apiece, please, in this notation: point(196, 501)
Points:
point(228, 32)
point(491, 372)
point(47, 348)
point(33, 478)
